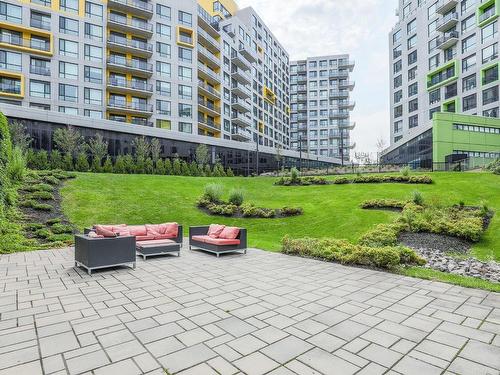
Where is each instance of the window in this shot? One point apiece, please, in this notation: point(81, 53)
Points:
point(163, 30)
point(11, 13)
point(185, 110)
point(44, 107)
point(40, 20)
point(10, 60)
point(163, 69)
point(398, 95)
point(398, 81)
point(467, 5)
point(92, 113)
point(490, 53)
point(93, 10)
point(434, 96)
point(434, 110)
point(163, 124)
point(398, 111)
point(406, 10)
point(411, 27)
point(68, 70)
point(93, 74)
point(92, 96)
point(433, 62)
point(163, 88)
point(413, 121)
point(492, 112)
point(185, 19)
point(413, 105)
point(450, 91)
point(431, 11)
point(397, 66)
point(163, 107)
point(412, 42)
point(468, 63)
point(396, 37)
point(40, 89)
point(92, 31)
point(412, 73)
point(412, 57)
point(68, 48)
point(469, 23)
point(69, 110)
point(469, 83)
point(185, 92)
point(68, 26)
point(163, 49)
point(185, 74)
point(163, 11)
point(185, 55)
point(45, 3)
point(413, 89)
point(185, 127)
point(489, 32)
point(396, 52)
point(68, 93)
point(398, 126)
point(468, 43)
point(469, 102)
point(490, 74)
point(93, 53)
point(69, 5)
point(490, 95)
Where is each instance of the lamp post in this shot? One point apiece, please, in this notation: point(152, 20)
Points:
point(300, 152)
point(257, 158)
point(341, 146)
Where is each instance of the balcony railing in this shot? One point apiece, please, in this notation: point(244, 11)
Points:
point(146, 26)
point(8, 88)
point(209, 105)
point(142, 5)
point(214, 59)
point(133, 85)
point(208, 122)
point(447, 38)
point(216, 76)
point(40, 70)
point(204, 15)
point(39, 24)
point(142, 107)
point(143, 122)
point(37, 44)
point(131, 43)
point(489, 13)
point(449, 19)
point(208, 37)
point(133, 64)
point(210, 89)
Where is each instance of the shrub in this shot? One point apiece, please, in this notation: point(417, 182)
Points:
point(33, 226)
point(56, 160)
point(222, 209)
point(63, 238)
point(27, 203)
point(59, 228)
point(185, 171)
point(43, 195)
point(294, 175)
point(54, 221)
point(51, 180)
point(120, 165)
point(383, 203)
point(193, 169)
point(405, 171)
point(291, 211)
point(108, 165)
point(208, 171)
point(42, 233)
point(38, 160)
point(341, 181)
point(168, 167)
point(417, 198)
point(149, 167)
point(42, 207)
point(229, 172)
point(236, 197)
point(176, 167)
point(82, 163)
point(129, 163)
point(17, 165)
point(214, 192)
point(249, 210)
point(381, 235)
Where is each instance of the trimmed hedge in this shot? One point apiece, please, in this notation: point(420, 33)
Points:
point(368, 179)
point(383, 203)
point(342, 251)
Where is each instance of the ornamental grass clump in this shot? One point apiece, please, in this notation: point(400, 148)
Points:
point(214, 192)
point(236, 197)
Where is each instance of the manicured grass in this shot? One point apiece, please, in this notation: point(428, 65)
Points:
point(329, 211)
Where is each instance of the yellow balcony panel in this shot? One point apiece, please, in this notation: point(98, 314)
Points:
point(32, 40)
point(261, 127)
point(11, 84)
point(269, 95)
point(185, 36)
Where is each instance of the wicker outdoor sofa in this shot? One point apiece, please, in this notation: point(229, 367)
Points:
point(218, 239)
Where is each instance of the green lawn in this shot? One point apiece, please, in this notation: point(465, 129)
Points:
point(329, 211)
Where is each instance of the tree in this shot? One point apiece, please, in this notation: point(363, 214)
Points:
point(279, 156)
point(160, 167)
point(202, 155)
point(128, 161)
point(149, 167)
point(230, 172)
point(155, 150)
point(168, 166)
point(69, 141)
point(68, 162)
point(56, 160)
point(208, 171)
point(19, 136)
point(108, 165)
point(194, 169)
point(98, 149)
point(176, 167)
point(381, 145)
point(185, 171)
point(142, 151)
point(82, 163)
point(120, 166)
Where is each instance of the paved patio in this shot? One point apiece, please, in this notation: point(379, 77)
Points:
point(260, 313)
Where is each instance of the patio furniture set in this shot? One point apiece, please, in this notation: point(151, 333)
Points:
point(104, 246)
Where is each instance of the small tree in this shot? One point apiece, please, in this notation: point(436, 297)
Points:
point(37, 159)
point(56, 160)
point(168, 167)
point(185, 170)
point(69, 141)
point(160, 167)
point(142, 151)
point(19, 136)
point(208, 170)
point(98, 149)
point(68, 162)
point(149, 167)
point(202, 155)
point(108, 165)
point(155, 150)
point(128, 161)
point(120, 166)
point(194, 169)
point(82, 164)
point(176, 167)
point(229, 172)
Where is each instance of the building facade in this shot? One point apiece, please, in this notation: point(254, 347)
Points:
point(201, 67)
point(320, 106)
point(443, 58)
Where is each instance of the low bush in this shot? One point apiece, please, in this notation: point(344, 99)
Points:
point(342, 251)
point(494, 166)
point(33, 226)
point(222, 209)
point(27, 203)
point(214, 192)
point(51, 180)
point(291, 211)
point(405, 171)
point(60, 239)
point(38, 187)
point(43, 195)
point(417, 198)
point(42, 207)
point(61, 228)
point(304, 181)
point(383, 203)
point(236, 197)
point(381, 235)
point(249, 210)
point(54, 221)
point(42, 233)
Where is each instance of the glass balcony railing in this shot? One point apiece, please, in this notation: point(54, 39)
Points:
point(40, 70)
point(142, 107)
point(40, 24)
point(145, 26)
point(38, 44)
point(142, 5)
point(133, 85)
point(133, 64)
point(8, 88)
point(131, 43)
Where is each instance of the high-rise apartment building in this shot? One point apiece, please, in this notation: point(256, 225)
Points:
point(443, 58)
point(320, 106)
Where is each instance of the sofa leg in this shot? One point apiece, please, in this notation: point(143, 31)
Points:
point(245, 251)
point(218, 255)
point(144, 257)
point(89, 271)
point(133, 266)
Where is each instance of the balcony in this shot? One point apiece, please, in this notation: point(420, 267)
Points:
point(14, 87)
point(241, 75)
point(141, 8)
point(207, 57)
point(241, 90)
point(346, 125)
point(347, 105)
point(339, 94)
point(348, 64)
point(208, 74)
point(238, 60)
point(301, 88)
point(207, 107)
point(33, 45)
point(247, 54)
point(302, 98)
point(240, 105)
point(339, 74)
point(120, 64)
point(339, 114)
point(134, 26)
point(208, 91)
point(207, 22)
point(300, 78)
point(347, 85)
point(488, 11)
point(447, 40)
point(208, 123)
point(301, 117)
point(209, 41)
point(119, 106)
point(40, 70)
point(141, 121)
point(241, 135)
point(136, 47)
point(447, 22)
point(349, 146)
point(444, 6)
point(240, 120)
point(39, 24)
point(130, 87)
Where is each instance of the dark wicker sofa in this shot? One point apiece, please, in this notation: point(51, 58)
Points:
point(198, 235)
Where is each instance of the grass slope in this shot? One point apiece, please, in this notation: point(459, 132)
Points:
point(329, 211)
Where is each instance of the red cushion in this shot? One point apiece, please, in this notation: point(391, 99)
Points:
point(153, 229)
point(200, 238)
point(163, 237)
point(215, 230)
point(101, 231)
point(230, 233)
point(144, 238)
point(222, 241)
point(138, 230)
point(122, 231)
point(171, 229)
point(156, 242)
point(112, 227)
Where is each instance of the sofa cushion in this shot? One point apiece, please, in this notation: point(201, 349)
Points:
point(214, 230)
point(170, 229)
point(112, 227)
point(138, 230)
point(144, 238)
point(230, 233)
point(153, 229)
point(164, 237)
point(222, 241)
point(123, 231)
point(200, 238)
point(157, 242)
point(102, 231)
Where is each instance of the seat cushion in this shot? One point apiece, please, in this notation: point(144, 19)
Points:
point(157, 242)
point(163, 237)
point(200, 238)
point(101, 231)
point(144, 238)
point(222, 241)
point(153, 229)
point(214, 230)
point(230, 233)
point(138, 230)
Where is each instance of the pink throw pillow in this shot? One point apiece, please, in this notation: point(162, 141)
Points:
point(102, 231)
point(230, 233)
point(215, 230)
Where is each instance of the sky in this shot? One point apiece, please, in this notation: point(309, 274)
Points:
point(327, 27)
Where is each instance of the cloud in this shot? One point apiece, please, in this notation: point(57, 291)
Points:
point(328, 27)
